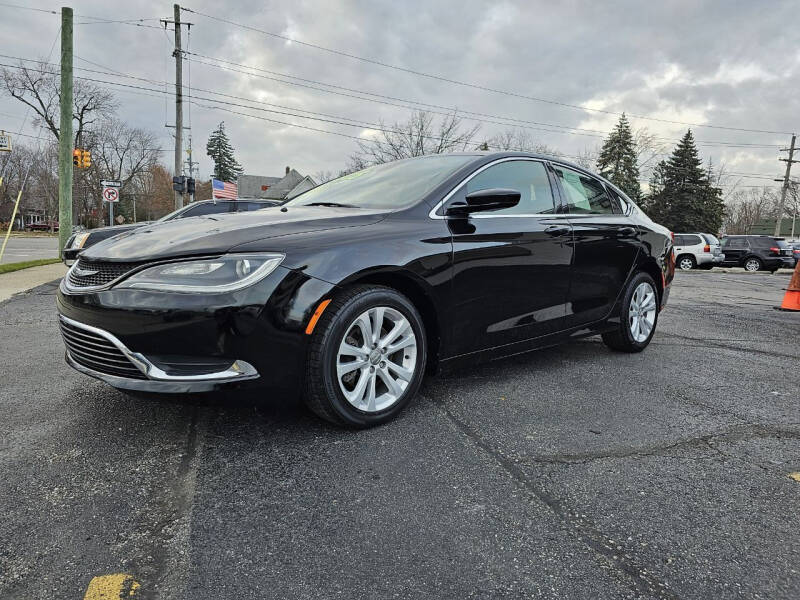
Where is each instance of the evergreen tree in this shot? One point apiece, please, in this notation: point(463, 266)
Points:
point(219, 148)
point(682, 196)
point(617, 159)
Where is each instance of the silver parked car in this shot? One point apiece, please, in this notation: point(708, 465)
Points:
point(697, 250)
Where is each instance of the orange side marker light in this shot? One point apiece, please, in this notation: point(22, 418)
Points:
point(315, 317)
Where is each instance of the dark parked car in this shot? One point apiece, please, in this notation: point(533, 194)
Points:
point(756, 252)
point(85, 239)
point(356, 288)
point(795, 246)
point(42, 226)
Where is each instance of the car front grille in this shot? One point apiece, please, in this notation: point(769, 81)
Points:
point(96, 352)
point(95, 273)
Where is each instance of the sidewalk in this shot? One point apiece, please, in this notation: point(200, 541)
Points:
point(20, 281)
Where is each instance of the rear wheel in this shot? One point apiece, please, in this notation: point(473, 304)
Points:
point(367, 357)
point(686, 263)
point(638, 316)
point(752, 264)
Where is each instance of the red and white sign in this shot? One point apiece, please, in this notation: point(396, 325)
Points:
point(110, 194)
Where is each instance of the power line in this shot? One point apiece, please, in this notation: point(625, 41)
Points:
point(513, 121)
point(471, 85)
point(451, 110)
point(335, 121)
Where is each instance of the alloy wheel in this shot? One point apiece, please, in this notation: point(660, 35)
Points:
point(642, 312)
point(686, 264)
point(376, 359)
point(752, 265)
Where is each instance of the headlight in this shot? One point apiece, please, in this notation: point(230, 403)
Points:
point(79, 240)
point(212, 275)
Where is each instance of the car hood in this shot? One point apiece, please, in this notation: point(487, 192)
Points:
point(214, 234)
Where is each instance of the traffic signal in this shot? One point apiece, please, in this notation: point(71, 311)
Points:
point(76, 158)
point(190, 185)
point(179, 184)
point(86, 158)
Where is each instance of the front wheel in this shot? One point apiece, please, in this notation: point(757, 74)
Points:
point(367, 357)
point(638, 316)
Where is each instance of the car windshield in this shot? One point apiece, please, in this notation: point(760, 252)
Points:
point(392, 185)
point(782, 243)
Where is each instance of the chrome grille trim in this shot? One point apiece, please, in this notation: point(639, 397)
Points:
point(95, 349)
point(100, 352)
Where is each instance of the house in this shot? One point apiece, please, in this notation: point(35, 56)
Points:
point(274, 188)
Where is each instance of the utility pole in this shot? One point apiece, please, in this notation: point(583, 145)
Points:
point(65, 134)
point(177, 53)
point(785, 187)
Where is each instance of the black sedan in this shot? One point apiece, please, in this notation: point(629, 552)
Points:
point(354, 290)
point(85, 239)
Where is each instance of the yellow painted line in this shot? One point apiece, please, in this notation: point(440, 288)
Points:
point(795, 475)
point(108, 587)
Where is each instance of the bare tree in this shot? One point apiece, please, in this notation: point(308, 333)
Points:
point(518, 140)
point(745, 208)
point(587, 158)
point(323, 176)
point(649, 150)
point(418, 136)
point(120, 153)
point(40, 88)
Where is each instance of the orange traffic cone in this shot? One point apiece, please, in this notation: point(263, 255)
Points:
point(791, 301)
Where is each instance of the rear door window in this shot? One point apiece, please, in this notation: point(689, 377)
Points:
point(711, 239)
point(692, 240)
point(735, 243)
point(585, 195)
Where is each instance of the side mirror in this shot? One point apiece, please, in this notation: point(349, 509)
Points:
point(485, 200)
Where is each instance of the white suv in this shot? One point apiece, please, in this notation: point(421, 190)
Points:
point(694, 250)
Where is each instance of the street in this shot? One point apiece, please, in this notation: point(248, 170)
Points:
point(573, 472)
point(24, 248)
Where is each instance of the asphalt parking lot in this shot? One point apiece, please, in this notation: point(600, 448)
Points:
point(573, 472)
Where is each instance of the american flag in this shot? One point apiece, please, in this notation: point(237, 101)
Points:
point(223, 189)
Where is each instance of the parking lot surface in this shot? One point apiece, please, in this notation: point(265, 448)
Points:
point(573, 472)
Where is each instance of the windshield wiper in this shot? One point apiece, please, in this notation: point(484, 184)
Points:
point(332, 204)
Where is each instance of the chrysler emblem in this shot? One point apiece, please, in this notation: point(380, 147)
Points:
point(84, 272)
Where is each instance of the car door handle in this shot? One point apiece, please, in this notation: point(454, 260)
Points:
point(557, 230)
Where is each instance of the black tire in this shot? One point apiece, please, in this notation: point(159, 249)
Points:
point(322, 393)
point(686, 262)
point(752, 260)
point(621, 339)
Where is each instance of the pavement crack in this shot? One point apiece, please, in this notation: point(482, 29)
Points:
point(642, 580)
point(731, 434)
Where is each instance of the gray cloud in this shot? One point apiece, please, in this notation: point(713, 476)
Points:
point(724, 63)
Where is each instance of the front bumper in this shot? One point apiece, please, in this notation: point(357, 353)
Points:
point(88, 353)
point(178, 342)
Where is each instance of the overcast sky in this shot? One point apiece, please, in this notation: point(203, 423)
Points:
point(727, 64)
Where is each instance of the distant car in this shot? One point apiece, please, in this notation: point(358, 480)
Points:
point(697, 250)
point(757, 252)
point(80, 241)
point(42, 226)
point(795, 246)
